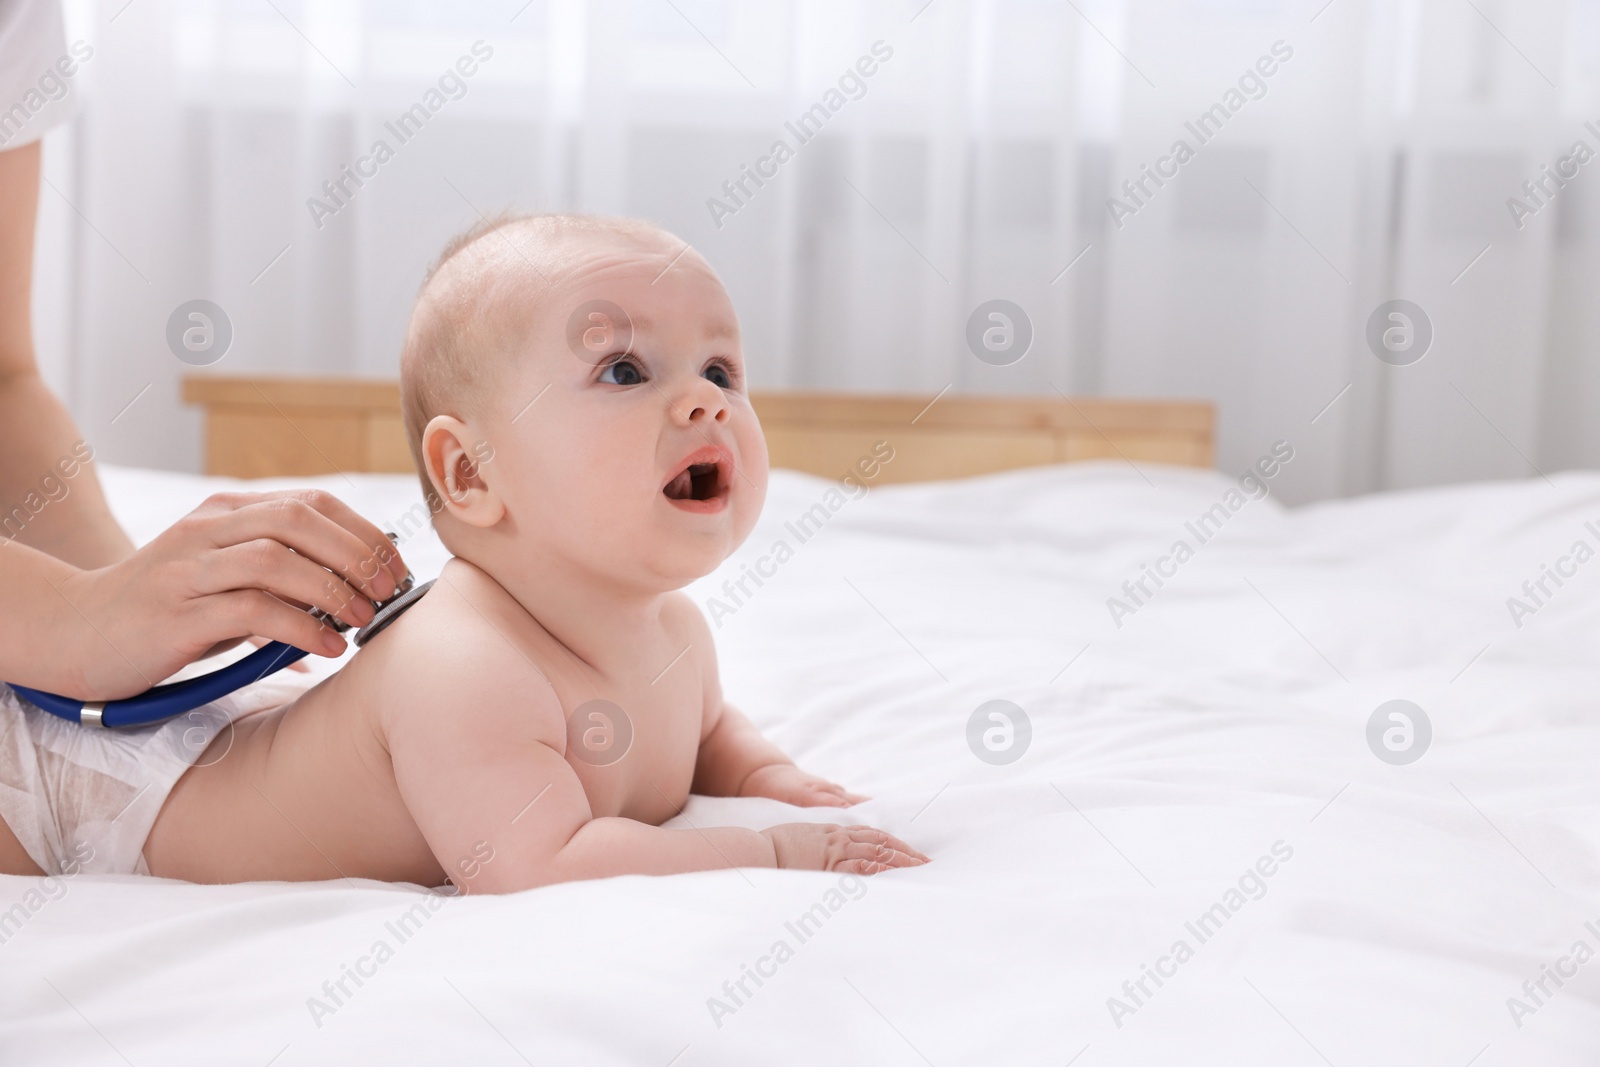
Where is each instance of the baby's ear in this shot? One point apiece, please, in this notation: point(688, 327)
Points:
point(455, 469)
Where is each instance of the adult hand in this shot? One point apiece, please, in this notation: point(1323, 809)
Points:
point(240, 565)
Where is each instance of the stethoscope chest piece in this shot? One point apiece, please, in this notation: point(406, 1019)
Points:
point(391, 610)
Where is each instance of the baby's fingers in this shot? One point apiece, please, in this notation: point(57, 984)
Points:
point(880, 854)
point(821, 795)
point(861, 867)
point(844, 794)
point(842, 797)
point(888, 839)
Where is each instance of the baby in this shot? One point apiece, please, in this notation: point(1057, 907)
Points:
point(574, 394)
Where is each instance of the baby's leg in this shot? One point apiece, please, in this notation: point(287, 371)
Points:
point(14, 859)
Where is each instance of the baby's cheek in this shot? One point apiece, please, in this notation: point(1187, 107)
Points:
point(753, 456)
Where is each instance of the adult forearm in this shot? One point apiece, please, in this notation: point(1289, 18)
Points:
point(40, 635)
point(50, 497)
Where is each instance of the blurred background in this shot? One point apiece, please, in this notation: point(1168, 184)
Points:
point(984, 157)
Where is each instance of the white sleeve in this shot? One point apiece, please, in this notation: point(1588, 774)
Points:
point(37, 71)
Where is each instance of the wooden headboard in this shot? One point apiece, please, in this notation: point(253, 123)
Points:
point(287, 427)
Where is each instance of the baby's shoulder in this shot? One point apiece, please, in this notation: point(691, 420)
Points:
point(682, 616)
point(687, 628)
point(457, 654)
point(684, 622)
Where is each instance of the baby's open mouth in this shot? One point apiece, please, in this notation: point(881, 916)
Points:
point(702, 480)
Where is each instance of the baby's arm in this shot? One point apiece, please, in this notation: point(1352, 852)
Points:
point(734, 759)
point(477, 758)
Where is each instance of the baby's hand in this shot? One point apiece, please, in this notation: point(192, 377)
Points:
point(810, 846)
point(788, 783)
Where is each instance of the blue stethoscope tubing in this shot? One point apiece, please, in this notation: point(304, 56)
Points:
point(171, 700)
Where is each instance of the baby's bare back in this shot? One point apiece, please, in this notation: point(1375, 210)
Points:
point(310, 791)
point(301, 792)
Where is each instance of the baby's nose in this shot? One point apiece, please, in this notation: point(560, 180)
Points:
point(703, 402)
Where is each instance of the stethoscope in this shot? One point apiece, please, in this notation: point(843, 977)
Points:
point(169, 701)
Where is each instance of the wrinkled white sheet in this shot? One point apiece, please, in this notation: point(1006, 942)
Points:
point(1225, 716)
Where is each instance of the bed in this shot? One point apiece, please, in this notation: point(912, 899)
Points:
point(1195, 770)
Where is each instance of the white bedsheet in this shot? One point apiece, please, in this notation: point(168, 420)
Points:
point(1226, 715)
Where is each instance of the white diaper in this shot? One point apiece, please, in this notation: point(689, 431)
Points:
point(86, 798)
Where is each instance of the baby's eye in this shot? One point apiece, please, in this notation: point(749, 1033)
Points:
point(622, 372)
point(717, 374)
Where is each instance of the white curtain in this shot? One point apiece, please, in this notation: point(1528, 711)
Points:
point(974, 162)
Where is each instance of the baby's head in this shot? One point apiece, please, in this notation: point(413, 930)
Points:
point(574, 386)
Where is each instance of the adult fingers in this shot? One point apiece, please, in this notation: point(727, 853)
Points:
point(250, 611)
point(380, 548)
point(255, 642)
point(220, 647)
point(266, 564)
point(383, 550)
point(299, 522)
point(298, 665)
